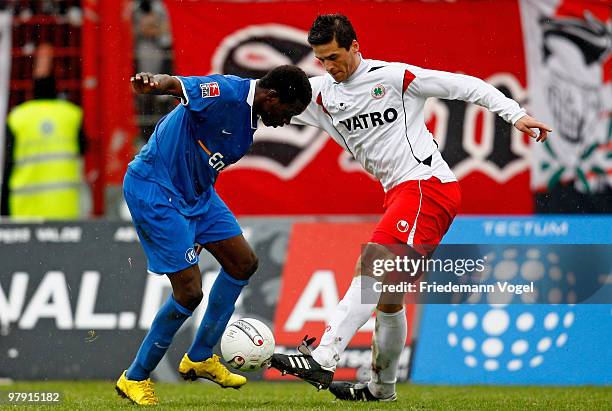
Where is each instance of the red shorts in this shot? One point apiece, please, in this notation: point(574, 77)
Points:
point(418, 213)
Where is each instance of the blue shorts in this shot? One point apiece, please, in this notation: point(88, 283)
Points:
point(167, 236)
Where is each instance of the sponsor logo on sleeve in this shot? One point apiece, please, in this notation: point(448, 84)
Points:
point(210, 89)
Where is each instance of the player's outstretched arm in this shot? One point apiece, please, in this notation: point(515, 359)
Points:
point(453, 86)
point(526, 124)
point(161, 84)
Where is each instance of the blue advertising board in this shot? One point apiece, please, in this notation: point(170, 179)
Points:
point(521, 343)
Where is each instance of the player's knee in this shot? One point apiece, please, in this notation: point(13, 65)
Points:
point(372, 258)
point(253, 266)
point(194, 299)
point(389, 308)
point(190, 298)
point(245, 267)
point(249, 266)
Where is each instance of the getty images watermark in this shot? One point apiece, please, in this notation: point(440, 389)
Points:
point(414, 266)
point(488, 274)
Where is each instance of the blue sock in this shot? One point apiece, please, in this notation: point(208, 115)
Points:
point(221, 300)
point(168, 320)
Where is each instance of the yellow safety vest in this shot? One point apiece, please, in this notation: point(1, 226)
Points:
point(46, 176)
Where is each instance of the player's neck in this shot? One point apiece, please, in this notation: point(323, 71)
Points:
point(258, 98)
point(356, 63)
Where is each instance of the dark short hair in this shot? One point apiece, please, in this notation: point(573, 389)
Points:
point(290, 82)
point(328, 27)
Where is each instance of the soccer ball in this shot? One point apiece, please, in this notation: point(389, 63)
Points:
point(247, 345)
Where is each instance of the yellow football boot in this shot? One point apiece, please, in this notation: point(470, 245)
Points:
point(139, 392)
point(212, 370)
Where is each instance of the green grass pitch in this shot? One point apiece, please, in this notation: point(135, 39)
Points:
point(100, 395)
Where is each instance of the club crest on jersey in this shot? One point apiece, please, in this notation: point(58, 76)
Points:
point(378, 91)
point(210, 89)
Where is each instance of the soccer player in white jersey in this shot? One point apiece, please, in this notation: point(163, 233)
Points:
point(375, 111)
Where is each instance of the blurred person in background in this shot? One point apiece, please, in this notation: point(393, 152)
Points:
point(44, 144)
point(152, 36)
point(153, 54)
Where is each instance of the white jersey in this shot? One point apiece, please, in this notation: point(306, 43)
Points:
point(377, 115)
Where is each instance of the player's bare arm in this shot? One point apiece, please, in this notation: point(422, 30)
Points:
point(526, 124)
point(160, 84)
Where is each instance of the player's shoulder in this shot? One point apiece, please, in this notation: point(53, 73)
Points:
point(215, 87)
point(316, 84)
point(388, 73)
point(415, 70)
point(226, 87)
point(374, 65)
point(232, 82)
point(391, 65)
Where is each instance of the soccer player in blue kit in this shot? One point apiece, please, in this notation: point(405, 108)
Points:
point(169, 190)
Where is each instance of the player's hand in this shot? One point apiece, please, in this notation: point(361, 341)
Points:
point(145, 83)
point(527, 123)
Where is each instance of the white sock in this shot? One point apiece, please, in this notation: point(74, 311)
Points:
point(388, 343)
point(348, 317)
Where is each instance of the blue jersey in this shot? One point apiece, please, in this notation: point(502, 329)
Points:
point(211, 129)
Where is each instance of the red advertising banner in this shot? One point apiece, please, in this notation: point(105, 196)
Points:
point(108, 101)
point(299, 170)
point(314, 279)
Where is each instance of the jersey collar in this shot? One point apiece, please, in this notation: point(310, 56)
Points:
point(249, 100)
